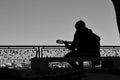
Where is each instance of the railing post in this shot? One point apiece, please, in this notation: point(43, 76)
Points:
point(40, 51)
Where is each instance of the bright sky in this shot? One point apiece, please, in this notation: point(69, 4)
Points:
point(42, 22)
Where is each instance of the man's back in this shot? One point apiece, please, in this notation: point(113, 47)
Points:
point(86, 42)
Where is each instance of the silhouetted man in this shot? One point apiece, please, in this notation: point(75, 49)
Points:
point(85, 43)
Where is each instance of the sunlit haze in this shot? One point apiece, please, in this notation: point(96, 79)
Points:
point(42, 22)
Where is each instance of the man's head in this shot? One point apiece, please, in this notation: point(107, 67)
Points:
point(80, 25)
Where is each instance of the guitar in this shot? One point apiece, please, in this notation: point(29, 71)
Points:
point(67, 44)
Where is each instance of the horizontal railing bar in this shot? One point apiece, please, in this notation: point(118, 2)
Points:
point(31, 46)
point(19, 47)
point(78, 59)
point(44, 46)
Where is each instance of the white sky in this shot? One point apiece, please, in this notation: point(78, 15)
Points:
point(42, 22)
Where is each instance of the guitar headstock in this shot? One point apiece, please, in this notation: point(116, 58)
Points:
point(59, 41)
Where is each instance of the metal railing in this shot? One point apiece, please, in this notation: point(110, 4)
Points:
point(19, 55)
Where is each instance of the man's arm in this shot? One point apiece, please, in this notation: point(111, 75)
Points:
point(70, 45)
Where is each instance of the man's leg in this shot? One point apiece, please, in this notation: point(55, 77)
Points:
point(73, 64)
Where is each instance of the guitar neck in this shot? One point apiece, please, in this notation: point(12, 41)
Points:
point(61, 42)
point(69, 42)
